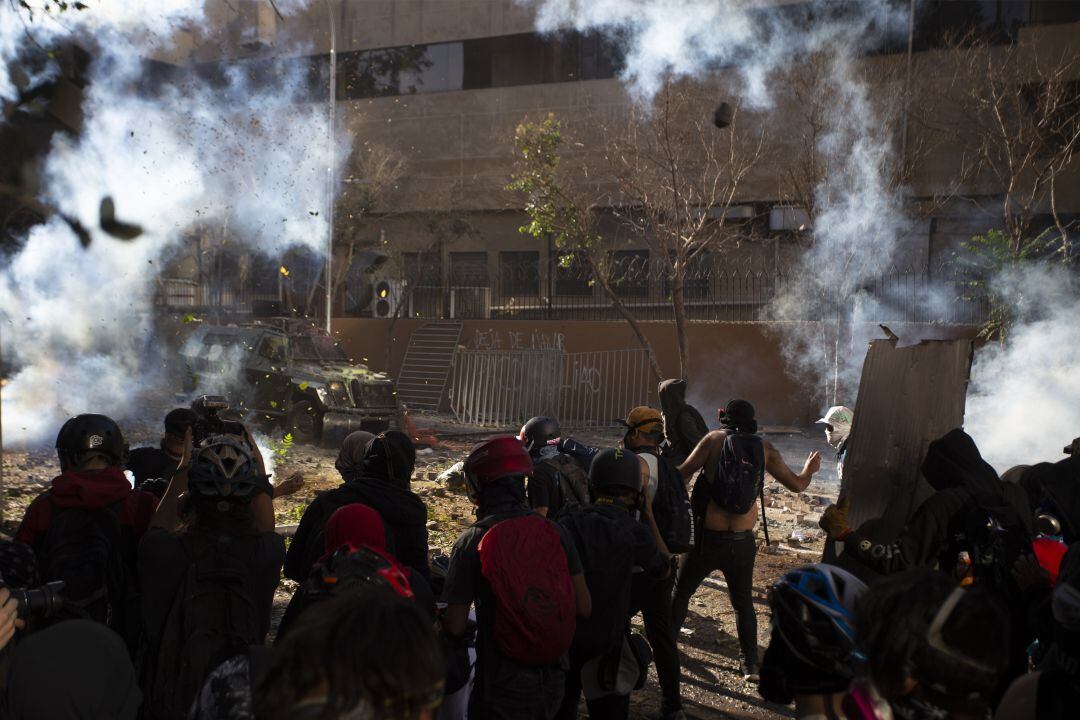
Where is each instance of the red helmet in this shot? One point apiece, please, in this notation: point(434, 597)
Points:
point(497, 458)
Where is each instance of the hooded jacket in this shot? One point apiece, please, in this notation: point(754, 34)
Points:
point(402, 511)
point(92, 490)
point(965, 483)
point(683, 424)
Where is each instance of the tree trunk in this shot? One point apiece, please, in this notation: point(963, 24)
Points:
point(678, 304)
point(616, 302)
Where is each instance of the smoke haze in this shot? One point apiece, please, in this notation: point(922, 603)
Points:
point(176, 157)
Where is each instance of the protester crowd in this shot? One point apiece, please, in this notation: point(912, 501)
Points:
point(154, 601)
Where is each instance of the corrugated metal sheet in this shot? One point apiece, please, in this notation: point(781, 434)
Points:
point(908, 396)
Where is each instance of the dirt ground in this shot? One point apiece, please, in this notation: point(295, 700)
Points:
point(711, 688)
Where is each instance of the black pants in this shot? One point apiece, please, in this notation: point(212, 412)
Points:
point(653, 599)
point(609, 707)
point(506, 690)
point(733, 554)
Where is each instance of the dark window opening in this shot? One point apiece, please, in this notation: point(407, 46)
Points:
point(519, 273)
point(468, 269)
point(573, 276)
point(696, 280)
point(423, 269)
point(630, 273)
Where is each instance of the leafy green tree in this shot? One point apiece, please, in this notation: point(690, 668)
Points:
point(560, 210)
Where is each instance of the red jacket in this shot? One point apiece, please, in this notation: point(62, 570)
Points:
point(93, 489)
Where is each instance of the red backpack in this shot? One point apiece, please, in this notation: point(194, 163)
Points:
point(523, 560)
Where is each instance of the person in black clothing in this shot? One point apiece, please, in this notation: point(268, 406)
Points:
point(154, 466)
point(683, 424)
point(200, 561)
point(380, 480)
point(504, 689)
point(1053, 692)
point(558, 480)
point(349, 528)
point(968, 494)
point(610, 543)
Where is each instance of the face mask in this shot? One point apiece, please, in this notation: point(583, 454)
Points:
point(836, 435)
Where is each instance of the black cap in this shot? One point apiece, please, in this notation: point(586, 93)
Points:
point(179, 420)
point(738, 415)
point(615, 468)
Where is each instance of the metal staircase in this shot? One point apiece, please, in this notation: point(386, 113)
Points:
point(426, 367)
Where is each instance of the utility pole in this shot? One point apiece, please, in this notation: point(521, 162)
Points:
point(330, 169)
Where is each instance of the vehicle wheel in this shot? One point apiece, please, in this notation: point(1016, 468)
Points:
point(304, 422)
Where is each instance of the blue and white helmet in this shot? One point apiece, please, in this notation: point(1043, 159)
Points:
point(813, 609)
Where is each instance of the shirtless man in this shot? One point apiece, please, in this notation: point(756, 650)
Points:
point(727, 540)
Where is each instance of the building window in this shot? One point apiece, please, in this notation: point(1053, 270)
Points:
point(468, 269)
point(573, 276)
point(630, 273)
point(422, 269)
point(696, 281)
point(519, 273)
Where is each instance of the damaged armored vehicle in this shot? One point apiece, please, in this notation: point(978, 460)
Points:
point(288, 375)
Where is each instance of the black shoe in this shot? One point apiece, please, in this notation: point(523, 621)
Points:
point(749, 669)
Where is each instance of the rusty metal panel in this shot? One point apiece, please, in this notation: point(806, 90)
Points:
point(908, 396)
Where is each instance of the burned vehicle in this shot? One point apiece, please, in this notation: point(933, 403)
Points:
point(295, 377)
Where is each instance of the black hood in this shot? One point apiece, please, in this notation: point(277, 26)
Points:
point(954, 461)
point(672, 396)
point(1060, 484)
point(397, 505)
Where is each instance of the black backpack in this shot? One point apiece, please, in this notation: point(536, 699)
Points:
point(212, 619)
point(740, 475)
point(993, 545)
point(672, 509)
point(608, 563)
point(88, 549)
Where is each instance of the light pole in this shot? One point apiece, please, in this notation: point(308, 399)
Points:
point(330, 168)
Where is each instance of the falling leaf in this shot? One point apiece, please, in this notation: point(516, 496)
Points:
point(304, 385)
point(273, 404)
point(284, 271)
point(189, 318)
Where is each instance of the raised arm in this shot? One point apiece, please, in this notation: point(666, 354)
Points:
point(796, 482)
point(702, 453)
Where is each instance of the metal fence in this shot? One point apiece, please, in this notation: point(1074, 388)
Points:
point(505, 388)
point(710, 294)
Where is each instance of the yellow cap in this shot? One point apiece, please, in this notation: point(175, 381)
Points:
point(641, 418)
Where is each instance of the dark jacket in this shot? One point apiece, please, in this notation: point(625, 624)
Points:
point(402, 511)
point(968, 489)
point(683, 424)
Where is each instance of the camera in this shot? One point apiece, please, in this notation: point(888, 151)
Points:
point(209, 409)
point(42, 602)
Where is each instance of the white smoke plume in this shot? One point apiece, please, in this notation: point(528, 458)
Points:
point(859, 217)
point(178, 157)
point(1023, 403)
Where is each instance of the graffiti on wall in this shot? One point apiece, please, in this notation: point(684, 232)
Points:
point(492, 340)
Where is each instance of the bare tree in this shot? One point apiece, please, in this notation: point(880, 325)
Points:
point(677, 175)
point(1021, 106)
point(566, 205)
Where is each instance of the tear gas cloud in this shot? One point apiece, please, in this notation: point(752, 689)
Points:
point(1023, 403)
point(859, 217)
point(176, 157)
point(1018, 392)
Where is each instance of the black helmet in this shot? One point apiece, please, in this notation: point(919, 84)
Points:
point(615, 471)
point(536, 433)
point(84, 436)
point(223, 468)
